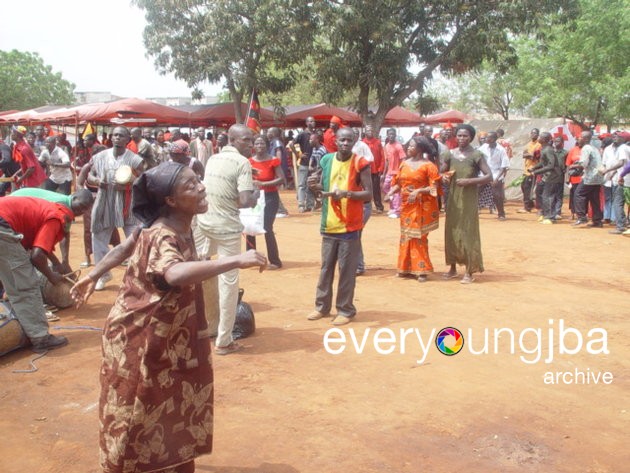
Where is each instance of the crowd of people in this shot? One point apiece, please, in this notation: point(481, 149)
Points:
point(177, 200)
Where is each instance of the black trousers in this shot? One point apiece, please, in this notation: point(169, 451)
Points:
point(589, 194)
point(498, 195)
point(526, 187)
point(376, 192)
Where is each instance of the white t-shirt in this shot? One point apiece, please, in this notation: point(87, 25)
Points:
point(58, 156)
point(613, 155)
point(496, 157)
point(362, 149)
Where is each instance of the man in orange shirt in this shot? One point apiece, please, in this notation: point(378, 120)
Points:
point(531, 157)
point(394, 155)
point(573, 178)
point(330, 135)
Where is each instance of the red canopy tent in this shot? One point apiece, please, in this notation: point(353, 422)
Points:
point(27, 116)
point(321, 112)
point(130, 112)
point(399, 116)
point(223, 115)
point(449, 116)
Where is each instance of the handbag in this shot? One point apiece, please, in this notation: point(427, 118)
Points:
point(253, 219)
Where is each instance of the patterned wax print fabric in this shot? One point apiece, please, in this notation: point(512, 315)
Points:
point(156, 403)
point(486, 200)
point(417, 219)
point(461, 233)
point(344, 215)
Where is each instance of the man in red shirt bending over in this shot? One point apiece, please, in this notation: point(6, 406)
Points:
point(29, 224)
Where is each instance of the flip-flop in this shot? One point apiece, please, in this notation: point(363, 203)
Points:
point(226, 350)
point(466, 280)
point(449, 275)
point(85, 264)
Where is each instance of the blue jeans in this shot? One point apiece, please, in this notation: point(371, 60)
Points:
point(367, 212)
point(609, 209)
point(305, 197)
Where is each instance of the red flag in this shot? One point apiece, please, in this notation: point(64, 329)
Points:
point(253, 115)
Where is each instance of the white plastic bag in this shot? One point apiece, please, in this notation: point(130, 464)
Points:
point(253, 219)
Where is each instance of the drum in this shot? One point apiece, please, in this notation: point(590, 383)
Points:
point(123, 175)
point(58, 295)
point(12, 336)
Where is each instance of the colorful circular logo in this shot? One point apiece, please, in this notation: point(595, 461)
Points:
point(449, 341)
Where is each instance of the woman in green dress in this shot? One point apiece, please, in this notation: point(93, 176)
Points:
point(468, 170)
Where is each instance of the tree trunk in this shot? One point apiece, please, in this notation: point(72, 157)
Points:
point(237, 98)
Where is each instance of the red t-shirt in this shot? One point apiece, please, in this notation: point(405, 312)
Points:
point(42, 223)
point(266, 171)
point(573, 157)
point(23, 154)
point(378, 152)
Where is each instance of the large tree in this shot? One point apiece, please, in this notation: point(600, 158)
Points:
point(245, 43)
point(29, 83)
point(580, 70)
point(488, 89)
point(392, 47)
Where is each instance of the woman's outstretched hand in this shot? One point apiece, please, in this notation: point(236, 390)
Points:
point(82, 290)
point(252, 258)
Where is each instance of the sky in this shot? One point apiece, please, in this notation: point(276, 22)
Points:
point(95, 45)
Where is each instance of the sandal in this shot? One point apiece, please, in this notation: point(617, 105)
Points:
point(422, 278)
point(226, 350)
point(467, 279)
point(450, 275)
point(85, 264)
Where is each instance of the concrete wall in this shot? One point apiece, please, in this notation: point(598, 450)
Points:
point(517, 133)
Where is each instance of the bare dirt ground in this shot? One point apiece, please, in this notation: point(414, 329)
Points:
point(286, 405)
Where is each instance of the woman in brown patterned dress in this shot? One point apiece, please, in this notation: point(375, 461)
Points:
point(156, 404)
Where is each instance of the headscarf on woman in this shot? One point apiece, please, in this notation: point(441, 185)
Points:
point(152, 188)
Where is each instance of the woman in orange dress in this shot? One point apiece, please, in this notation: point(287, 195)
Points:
point(417, 182)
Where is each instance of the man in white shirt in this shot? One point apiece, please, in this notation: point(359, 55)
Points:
point(499, 163)
point(613, 157)
point(200, 147)
point(58, 163)
point(616, 156)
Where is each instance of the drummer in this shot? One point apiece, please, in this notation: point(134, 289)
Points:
point(113, 172)
point(29, 230)
point(79, 202)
